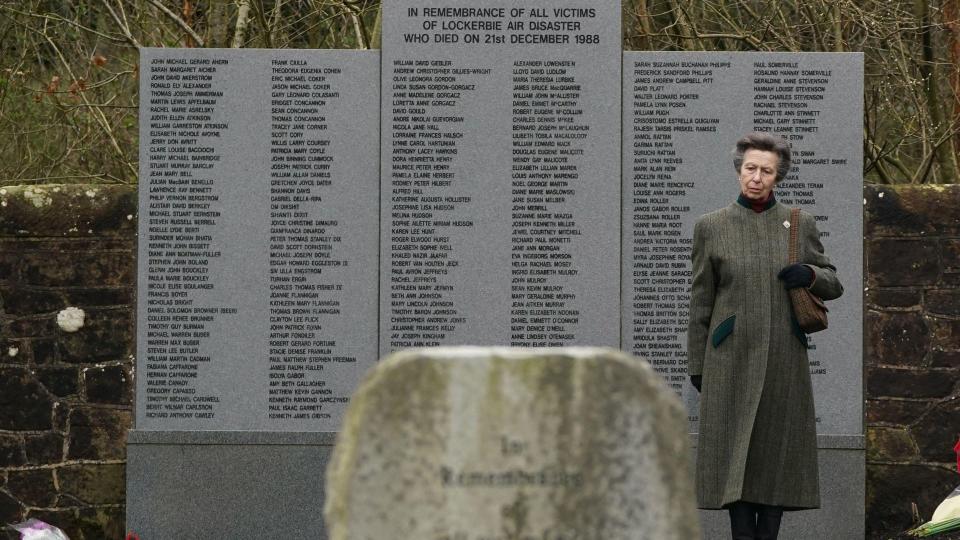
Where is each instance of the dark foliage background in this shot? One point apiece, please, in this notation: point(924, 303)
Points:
point(68, 68)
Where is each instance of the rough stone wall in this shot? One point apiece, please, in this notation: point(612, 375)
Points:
point(65, 397)
point(912, 344)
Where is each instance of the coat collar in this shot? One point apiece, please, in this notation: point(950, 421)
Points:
point(747, 203)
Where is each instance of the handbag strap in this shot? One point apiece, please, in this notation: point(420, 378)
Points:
point(794, 234)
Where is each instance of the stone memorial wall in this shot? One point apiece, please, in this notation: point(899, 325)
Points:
point(682, 115)
point(255, 257)
point(499, 174)
point(498, 207)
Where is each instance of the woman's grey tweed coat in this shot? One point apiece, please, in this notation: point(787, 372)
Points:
point(758, 439)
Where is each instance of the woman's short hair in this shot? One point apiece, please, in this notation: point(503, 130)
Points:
point(767, 143)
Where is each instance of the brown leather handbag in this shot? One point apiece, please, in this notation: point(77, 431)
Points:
point(808, 308)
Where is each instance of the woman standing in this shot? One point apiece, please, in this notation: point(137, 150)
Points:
point(757, 449)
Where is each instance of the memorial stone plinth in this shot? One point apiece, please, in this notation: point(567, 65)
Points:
point(499, 190)
point(471, 443)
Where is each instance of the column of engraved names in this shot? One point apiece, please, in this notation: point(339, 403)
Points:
point(547, 139)
point(305, 294)
point(787, 102)
point(184, 150)
point(663, 92)
point(427, 204)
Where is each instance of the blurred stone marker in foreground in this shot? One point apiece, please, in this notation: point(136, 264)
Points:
point(464, 443)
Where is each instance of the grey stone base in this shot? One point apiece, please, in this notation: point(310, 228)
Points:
point(236, 485)
point(254, 485)
point(841, 513)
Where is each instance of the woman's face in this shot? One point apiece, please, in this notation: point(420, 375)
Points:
point(758, 173)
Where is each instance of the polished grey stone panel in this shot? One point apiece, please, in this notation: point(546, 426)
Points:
point(257, 237)
point(226, 485)
point(304, 438)
point(500, 174)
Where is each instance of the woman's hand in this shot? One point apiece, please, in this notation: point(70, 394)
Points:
point(796, 275)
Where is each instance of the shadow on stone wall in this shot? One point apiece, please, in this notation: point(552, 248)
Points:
point(912, 359)
point(65, 398)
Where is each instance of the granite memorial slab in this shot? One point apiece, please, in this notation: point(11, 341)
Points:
point(470, 443)
point(501, 137)
point(500, 159)
point(258, 234)
point(682, 114)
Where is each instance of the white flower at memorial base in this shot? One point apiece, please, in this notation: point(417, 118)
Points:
point(34, 529)
point(70, 319)
point(946, 518)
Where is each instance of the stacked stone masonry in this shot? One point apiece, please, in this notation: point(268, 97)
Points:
point(65, 397)
point(912, 344)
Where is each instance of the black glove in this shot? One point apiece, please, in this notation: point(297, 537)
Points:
point(696, 380)
point(796, 275)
